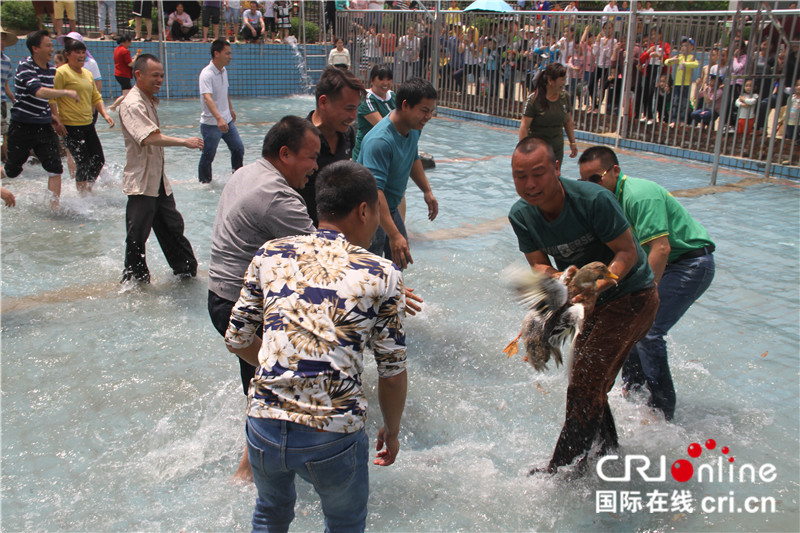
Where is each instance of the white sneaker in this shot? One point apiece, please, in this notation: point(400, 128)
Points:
point(650, 122)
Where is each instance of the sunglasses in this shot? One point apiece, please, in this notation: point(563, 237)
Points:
point(597, 178)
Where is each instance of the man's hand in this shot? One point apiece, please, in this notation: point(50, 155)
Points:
point(401, 253)
point(412, 302)
point(59, 128)
point(388, 446)
point(573, 150)
point(233, 116)
point(109, 120)
point(69, 93)
point(193, 142)
point(433, 207)
point(222, 125)
point(8, 197)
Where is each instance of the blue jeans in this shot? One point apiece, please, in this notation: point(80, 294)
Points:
point(211, 136)
point(683, 282)
point(334, 463)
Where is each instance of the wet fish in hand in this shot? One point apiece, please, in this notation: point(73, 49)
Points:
point(553, 322)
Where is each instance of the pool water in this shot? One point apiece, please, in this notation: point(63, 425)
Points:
point(122, 409)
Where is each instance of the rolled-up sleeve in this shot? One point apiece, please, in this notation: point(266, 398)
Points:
point(248, 312)
point(389, 341)
point(138, 122)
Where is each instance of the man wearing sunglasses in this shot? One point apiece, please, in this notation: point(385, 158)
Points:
point(577, 223)
point(680, 254)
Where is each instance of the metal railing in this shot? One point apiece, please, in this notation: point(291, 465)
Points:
point(624, 79)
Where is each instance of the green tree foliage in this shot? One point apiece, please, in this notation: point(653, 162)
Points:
point(18, 16)
point(312, 30)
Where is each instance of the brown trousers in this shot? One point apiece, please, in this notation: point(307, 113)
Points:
point(608, 335)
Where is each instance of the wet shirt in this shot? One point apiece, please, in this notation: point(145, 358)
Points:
point(29, 78)
point(256, 205)
point(321, 302)
point(591, 217)
point(390, 156)
point(70, 112)
point(144, 165)
point(653, 212)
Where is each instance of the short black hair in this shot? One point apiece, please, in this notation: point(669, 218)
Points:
point(343, 186)
point(413, 91)
point(605, 154)
point(124, 38)
point(290, 132)
point(73, 45)
point(141, 62)
point(530, 144)
point(34, 39)
point(218, 46)
point(335, 80)
point(382, 72)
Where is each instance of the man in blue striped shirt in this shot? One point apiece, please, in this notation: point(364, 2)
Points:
point(33, 123)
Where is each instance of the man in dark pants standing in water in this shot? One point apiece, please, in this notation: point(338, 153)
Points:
point(151, 204)
point(577, 223)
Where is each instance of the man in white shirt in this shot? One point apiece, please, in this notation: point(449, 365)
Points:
point(217, 119)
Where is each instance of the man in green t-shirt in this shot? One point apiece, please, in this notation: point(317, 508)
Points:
point(576, 223)
point(680, 254)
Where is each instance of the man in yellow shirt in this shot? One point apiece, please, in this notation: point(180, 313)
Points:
point(683, 80)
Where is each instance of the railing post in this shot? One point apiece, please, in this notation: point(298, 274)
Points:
point(726, 96)
point(435, 38)
point(622, 121)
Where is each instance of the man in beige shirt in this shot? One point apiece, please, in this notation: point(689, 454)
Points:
point(151, 204)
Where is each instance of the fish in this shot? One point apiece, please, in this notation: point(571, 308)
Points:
point(553, 322)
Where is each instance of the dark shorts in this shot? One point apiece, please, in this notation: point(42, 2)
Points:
point(4, 122)
point(124, 83)
point(142, 8)
point(23, 137)
point(83, 143)
point(219, 309)
point(210, 14)
point(269, 24)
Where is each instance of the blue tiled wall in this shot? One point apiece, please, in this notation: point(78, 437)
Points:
point(256, 70)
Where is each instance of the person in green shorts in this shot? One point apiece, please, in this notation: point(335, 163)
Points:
point(679, 252)
point(548, 112)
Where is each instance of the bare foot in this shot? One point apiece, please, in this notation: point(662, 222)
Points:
point(244, 473)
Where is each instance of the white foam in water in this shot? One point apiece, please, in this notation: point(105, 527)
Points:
point(123, 411)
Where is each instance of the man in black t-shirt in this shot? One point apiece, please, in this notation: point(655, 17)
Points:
point(338, 95)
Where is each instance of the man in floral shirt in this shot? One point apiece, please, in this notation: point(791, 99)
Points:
point(322, 300)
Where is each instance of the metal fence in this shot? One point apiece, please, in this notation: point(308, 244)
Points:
point(732, 96)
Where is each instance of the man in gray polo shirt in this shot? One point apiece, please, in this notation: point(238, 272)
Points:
point(217, 119)
point(259, 203)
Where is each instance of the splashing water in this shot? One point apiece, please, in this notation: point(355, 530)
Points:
point(302, 65)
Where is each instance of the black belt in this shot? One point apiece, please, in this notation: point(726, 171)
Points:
point(700, 252)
